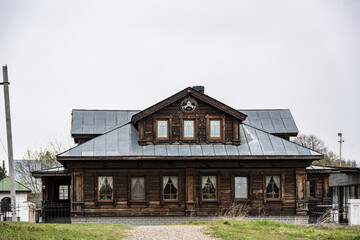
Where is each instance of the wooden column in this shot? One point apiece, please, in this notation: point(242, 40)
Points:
point(301, 199)
point(190, 194)
point(78, 191)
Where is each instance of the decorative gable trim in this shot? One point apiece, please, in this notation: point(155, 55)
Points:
point(184, 93)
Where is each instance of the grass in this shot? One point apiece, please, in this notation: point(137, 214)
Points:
point(23, 230)
point(266, 230)
point(224, 229)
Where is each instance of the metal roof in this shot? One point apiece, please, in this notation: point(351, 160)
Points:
point(275, 121)
point(123, 142)
point(52, 171)
point(88, 122)
point(314, 167)
point(5, 186)
point(95, 122)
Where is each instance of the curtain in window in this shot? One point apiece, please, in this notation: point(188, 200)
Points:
point(268, 178)
point(165, 181)
point(174, 180)
point(277, 180)
point(137, 188)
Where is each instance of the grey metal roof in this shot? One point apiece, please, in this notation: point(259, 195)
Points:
point(123, 142)
point(87, 122)
point(271, 120)
point(314, 167)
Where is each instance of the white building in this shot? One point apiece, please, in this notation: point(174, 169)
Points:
point(25, 210)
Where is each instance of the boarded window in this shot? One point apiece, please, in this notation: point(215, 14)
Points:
point(63, 192)
point(215, 129)
point(162, 129)
point(189, 129)
point(272, 187)
point(170, 187)
point(138, 188)
point(105, 186)
point(208, 187)
point(241, 188)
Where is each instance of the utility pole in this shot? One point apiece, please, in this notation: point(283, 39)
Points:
point(9, 143)
point(340, 141)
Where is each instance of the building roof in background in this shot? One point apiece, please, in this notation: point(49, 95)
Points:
point(5, 186)
point(123, 142)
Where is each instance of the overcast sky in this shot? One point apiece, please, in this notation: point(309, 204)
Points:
point(64, 55)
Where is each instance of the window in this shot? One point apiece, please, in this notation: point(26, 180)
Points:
point(208, 187)
point(137, 188)
point(162, 129)
point(241, 188)
point(189, 129)
point(170, 188)
point(272, 187)
point(105, 186)
point(63, 192)
point(215, 129)
point(6, 204)
point(310, 188)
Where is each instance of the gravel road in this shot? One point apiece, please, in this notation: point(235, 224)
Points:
point(173, 232)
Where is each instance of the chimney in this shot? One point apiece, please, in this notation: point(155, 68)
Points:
point(199, 88)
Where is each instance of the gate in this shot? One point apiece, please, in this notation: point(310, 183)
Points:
point(54, 212)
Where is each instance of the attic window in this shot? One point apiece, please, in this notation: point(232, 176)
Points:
point(215, 128)
point(162, 129)
point(189, 129)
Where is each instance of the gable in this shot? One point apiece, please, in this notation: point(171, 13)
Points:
point(188, 92)
point(200, 117)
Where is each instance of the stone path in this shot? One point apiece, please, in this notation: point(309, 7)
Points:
point(173, 232)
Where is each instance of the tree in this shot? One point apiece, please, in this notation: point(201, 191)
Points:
point(35, 161)
point(2, 171)
point(330, 158)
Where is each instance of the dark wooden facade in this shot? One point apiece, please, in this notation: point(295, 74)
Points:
point(290, 169)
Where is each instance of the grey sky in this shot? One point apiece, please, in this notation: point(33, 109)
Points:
point(61, 55)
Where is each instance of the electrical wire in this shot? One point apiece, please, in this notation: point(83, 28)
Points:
point(3, 146)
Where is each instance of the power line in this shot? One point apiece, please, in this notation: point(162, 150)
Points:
point(3, 146)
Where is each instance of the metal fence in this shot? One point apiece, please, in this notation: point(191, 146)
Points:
point(54, 210)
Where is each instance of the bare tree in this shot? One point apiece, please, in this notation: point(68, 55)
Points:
point(330, 158)
point(311, 141)
point(35, 161)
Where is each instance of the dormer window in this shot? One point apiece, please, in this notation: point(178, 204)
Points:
point(162, 129)
point(189, 129)
point(215, 128)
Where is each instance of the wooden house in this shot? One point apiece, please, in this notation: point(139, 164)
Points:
point(188, 155)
